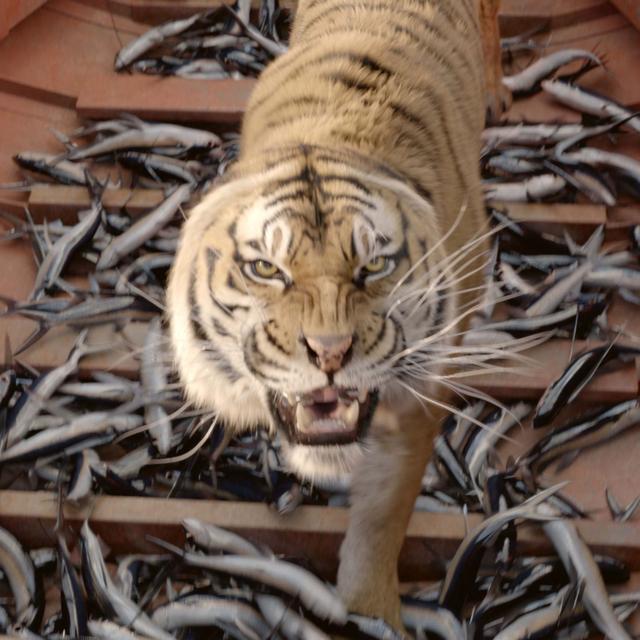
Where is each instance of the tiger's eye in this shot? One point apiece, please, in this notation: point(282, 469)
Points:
point(265, 269)
point(376, 265)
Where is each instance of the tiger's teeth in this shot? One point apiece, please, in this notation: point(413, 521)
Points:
point(303, 417)
point(362, 395)
point(351, 415)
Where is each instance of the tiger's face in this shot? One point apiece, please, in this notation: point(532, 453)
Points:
point(300, 298)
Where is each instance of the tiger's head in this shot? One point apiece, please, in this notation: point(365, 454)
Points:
point(307, 288)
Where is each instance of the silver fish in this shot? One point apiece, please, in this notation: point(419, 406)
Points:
point(274, 48)
point(202, 70)
point(144, 228)
point(97, 427)
point(144, 263)
point(286, 621)
point(42, 389)
point(59, 254)
point(612, 277)
point(80, 486)
point(599, 157)
point(432, 620)
point(154, 380)
point(107, 630)
point(120, 391)
point(549, 301)
point(208, 611)
point(483, 443)
point(214, 538)
point(153, 37)
point(72, 593)
point(582, 569)
point(98, 582)
point(584, 432)
point(588, 102)
point(532, 134)
point(455, 587)
point(527, 79)
point(148, 136)
point(314, 594)
point(529, 190)
point(62, 171)
point(544, 617)
point(20, 573)
point(125, 575)
point(507, 165)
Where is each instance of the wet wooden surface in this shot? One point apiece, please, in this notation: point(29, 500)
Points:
point(157, 11)
point(57, 201)
point(630, 9)
point(72, 45)
point(158, 98)
point(12, 12)
point(312, 533)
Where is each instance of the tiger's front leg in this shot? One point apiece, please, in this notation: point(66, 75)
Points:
point(383, 493)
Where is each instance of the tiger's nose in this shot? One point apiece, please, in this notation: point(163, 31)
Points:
point(329, 353)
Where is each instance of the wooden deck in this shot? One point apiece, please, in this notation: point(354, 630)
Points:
point(67, 75)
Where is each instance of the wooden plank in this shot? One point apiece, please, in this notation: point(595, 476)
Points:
point(16, 281)
point(69, 45)
point(573, 214)
point(12, 205)
point(25, 125)
point(517, 16)
point(53, 349)
point(170, 98)
point(156, 11)
point(54, 201)
point(627, 216)
point(310, 532)
point(549, 361)
point(12, 12)
point(64, 202)
point(611, 464)
point(630, 9)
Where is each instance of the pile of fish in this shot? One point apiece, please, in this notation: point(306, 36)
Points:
point(109, 434)
point(116, 435)
point(212, 45)
point(222, 585)
point(534, 162)
point(156, 155)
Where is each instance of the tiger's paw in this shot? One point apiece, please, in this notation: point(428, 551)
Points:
point(375, 599)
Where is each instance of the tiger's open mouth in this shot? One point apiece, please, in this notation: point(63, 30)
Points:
point(326, 416)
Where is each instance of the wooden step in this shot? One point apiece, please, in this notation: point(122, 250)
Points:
point(630, 9)
point(167, 99)
point(12, 12)
point(55, 201)
point(310, 532)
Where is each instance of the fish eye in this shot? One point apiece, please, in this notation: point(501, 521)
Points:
point(264, 269)
point(377, 265)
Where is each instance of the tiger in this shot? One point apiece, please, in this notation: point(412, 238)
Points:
point(321, 286)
